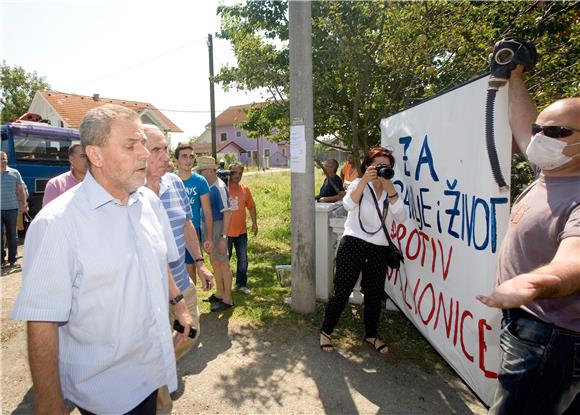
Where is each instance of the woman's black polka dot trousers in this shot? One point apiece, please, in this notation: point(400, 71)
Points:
point(353, 257)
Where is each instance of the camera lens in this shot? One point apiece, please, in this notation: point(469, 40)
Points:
point(385, 171)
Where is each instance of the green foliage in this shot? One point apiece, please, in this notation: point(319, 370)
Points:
point(229, 158)
point(18, 89)
point(372, 59)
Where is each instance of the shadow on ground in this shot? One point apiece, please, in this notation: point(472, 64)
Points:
point(265, 371)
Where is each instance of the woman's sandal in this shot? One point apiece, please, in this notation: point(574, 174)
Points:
point(379, 349)
point(326, 347)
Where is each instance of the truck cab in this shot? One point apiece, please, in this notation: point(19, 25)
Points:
point(39, 152)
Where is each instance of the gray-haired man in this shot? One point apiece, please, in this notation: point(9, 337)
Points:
point(95, 281)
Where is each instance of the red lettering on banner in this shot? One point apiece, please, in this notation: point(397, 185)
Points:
point(434, 250)
point(440, 306)
point(445, 268)
point(482, 326)
point(415, 232)
point(430, 287)
point(409, 306)
point(425, 300)
point(393, 272)
point(424, 237)
point(417, 243)
point(415, 294)
point(456, 322)
point(465, 314)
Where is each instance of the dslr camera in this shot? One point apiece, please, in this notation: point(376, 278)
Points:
point(385, 171)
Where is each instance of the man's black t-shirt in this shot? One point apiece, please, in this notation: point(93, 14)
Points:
point(326, 190)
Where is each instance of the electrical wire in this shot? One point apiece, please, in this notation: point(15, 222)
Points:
point(141, 63)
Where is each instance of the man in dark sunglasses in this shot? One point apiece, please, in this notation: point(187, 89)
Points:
point(539, 264)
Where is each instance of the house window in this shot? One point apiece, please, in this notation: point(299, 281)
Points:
point(267, 152)
point(223, 136)
point(238, 133)
point(61, 124)
point(283, 151)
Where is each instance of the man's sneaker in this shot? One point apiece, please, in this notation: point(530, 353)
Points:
point(213, 299)
point(245, 290)
point(221, 306)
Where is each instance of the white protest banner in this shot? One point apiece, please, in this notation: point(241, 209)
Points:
point(458, 218)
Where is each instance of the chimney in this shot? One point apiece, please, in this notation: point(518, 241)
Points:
point(95, 97)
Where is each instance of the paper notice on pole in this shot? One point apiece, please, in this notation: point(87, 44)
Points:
point(297, 149)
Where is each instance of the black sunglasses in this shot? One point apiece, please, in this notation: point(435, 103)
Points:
point(553, 131)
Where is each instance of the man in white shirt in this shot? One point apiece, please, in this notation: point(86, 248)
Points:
point(95, 281)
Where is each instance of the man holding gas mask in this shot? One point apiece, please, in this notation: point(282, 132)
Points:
point(539, 262)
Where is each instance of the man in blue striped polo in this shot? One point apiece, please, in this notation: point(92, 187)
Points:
point(171, 191)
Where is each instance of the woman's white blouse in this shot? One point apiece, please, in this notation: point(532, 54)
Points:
point(369, 216)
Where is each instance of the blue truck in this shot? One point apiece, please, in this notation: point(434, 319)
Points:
point(39, 152)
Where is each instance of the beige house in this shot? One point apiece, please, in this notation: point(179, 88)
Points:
point(67, 110)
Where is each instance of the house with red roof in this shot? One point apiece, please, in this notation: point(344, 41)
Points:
point(230, 139)
point(67, 110)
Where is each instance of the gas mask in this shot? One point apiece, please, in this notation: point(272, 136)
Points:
point(546, 152)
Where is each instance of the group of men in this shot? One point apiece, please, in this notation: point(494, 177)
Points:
point(105, 275)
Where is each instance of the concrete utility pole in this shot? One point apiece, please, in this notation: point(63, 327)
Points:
point(302, 157)
point(211, 97)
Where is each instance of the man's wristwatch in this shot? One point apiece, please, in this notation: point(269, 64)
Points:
point(224, 236)
point(177, 299)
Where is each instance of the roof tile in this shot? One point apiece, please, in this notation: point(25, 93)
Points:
point(72, 108)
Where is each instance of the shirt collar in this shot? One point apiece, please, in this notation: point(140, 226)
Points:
point(164, 184)
point(98, 196)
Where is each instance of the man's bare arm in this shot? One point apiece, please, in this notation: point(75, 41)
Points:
point(43, 359)
point(206, 206)
point(522, 110)
point(222, 248)
point(21, 196)
point(192, 245)
point(332, 199)
point(179, 310)
point(559, 278)
point(254, 217)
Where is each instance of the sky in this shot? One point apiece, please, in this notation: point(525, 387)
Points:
point(149, 50)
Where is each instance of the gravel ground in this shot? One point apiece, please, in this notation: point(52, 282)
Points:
point(240, 369)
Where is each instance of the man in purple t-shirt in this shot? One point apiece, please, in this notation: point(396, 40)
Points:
point(60, 184)
point(539, 264)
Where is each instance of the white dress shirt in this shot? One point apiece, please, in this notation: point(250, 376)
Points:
point(99, 268)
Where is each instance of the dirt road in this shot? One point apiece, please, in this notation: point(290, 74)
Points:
point(239, 369)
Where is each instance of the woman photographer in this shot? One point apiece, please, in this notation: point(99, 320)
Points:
point(364, 246)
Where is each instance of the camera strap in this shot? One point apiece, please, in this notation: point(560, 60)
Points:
point(382, 216)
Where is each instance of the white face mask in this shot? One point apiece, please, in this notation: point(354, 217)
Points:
point(546, 152)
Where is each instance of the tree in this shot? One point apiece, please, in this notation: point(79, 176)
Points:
point(18, 89)
point(373, 59)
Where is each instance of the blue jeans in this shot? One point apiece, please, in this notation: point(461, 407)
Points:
point(241, 245)
point(9, 220)
point(540, 367)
